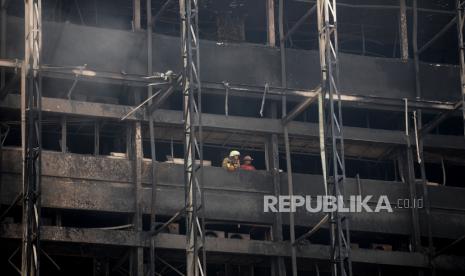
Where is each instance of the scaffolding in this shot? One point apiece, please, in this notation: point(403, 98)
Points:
point(331, 135)
point(418, 125)
point(31, 140)
point(460, 22)
point(193, 145)
point(334, 137)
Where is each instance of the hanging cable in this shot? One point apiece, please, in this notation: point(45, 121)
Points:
point(263, 99)
point(172, 150)
point(4, 134)
point(406, 116)
point(443, 167)
point(321, 132)
point(226, 98)
point(140, 105)
point(76, 78)
point(417, 144)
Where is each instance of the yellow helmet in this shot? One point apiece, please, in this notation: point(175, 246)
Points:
point(234, 153)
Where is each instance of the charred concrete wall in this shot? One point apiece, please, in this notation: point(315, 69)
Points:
point(106, 184)
point(122, 51)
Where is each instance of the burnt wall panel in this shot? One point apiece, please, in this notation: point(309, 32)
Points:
point(78, 166)
point(244, 64)
point(229, 196)
point(123, 51)
point(376, 76)
point(440, 82)
point(74, 194)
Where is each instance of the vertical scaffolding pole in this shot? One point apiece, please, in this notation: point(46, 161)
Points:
point(193, 144)
point(152, 139)
point(409, 164)
point(416, 54)
point(290, 186)
point(409, 178)
point(278, 267)
point(31, 139)
point(3, 23)
point(328, 44)
point(460, 23)
point(419, 138)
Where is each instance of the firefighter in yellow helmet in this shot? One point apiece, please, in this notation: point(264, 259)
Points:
point(232, 162)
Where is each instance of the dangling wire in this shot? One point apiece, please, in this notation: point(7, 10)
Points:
point(443, 167)
point(226, 98)
point(263, 99)
point(415, 123)
point(76, 78)
point(406, 116)
point(4, 134)
point(172, 150)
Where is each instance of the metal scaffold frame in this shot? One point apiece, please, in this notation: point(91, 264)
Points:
point(418, 125)
point(334, 137)
point(460, 23)
point(31, 139)
point(193, 145)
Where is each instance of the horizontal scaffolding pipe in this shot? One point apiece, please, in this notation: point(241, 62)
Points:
point(12, 63)
point(82, 71)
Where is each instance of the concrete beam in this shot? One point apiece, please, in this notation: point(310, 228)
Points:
point(232, 123)
point(219, 245)
point(242, 90)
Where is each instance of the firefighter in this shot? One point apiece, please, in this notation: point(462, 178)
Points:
point(232, 162)
point(248, 163)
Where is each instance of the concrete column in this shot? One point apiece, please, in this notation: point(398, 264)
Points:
point(136, 14)
point(403, 28)
point(270, 22)
point(138, 253)
point(278, 267)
